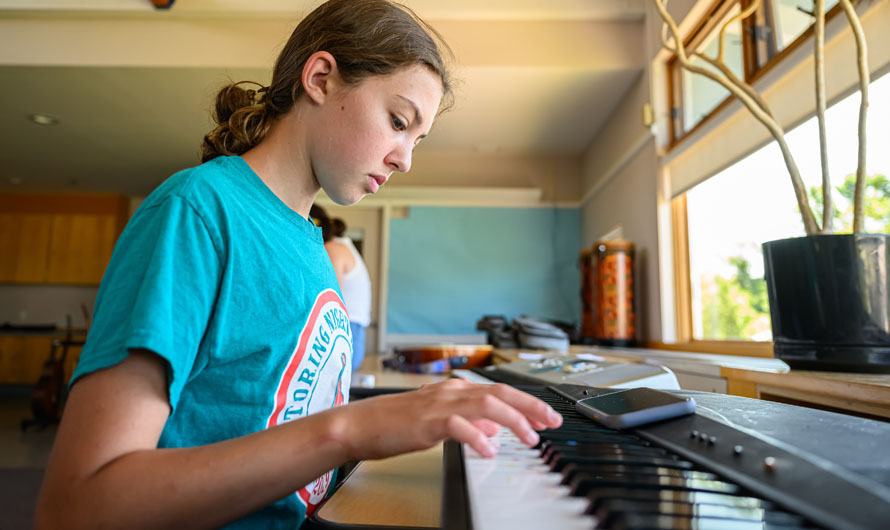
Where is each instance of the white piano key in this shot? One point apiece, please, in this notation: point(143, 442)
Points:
point(516, 490)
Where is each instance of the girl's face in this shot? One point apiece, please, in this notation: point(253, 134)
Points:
point(369, 130)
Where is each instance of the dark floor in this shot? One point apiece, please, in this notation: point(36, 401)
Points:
point(23, 456)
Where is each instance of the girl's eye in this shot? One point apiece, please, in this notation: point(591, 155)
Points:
point(397, 123)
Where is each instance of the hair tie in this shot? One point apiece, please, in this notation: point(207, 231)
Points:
point(259, 96)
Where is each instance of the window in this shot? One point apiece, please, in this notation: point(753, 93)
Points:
point(700, 94)
point(790, 20)
point(731, 214)
point(752, 46)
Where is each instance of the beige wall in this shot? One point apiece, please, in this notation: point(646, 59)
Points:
point(620, 186)
point(629, 201)
point(557, 177)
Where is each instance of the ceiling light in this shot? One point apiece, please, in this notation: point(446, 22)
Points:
point(44, 119)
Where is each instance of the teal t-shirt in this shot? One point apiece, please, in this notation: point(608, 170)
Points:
point(234, 289)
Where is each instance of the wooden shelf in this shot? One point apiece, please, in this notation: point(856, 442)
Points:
point(866, 395)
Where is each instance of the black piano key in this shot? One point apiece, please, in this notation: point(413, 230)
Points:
point(643, 470)
point(585, 434)
point(611, 509)
point(626, 460)
point(558, 459)
point(550, 449)
point(571, 470)
point(581, 483)
point(579, 437)
point(631, 521)
point(576, 445)
point(597, 496)
point(581, 426)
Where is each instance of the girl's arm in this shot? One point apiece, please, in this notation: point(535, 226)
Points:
point(105, 469)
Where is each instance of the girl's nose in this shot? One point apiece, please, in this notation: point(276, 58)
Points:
point(400, 158)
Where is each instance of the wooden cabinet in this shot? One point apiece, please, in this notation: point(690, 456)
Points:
point(58, 239)
point(80, 246)
point(24, 239)
point(22, 358)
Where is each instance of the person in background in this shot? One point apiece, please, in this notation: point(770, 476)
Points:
point(339, 227)
point(213, 388)
point(355, 283)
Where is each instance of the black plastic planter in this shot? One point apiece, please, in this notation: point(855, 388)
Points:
point(829, 302)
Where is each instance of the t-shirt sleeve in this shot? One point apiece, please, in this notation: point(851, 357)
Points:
point(158, 292)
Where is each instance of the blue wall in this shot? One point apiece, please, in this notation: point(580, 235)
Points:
point(450, 266)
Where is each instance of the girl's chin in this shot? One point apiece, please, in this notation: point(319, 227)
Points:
point(347, 199)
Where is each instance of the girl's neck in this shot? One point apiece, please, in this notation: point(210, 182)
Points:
point(280, 161)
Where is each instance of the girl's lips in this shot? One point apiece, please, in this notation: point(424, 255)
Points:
point(375, 182)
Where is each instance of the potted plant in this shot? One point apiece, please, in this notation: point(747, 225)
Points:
point(828, 293)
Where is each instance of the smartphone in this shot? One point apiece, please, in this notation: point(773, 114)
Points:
point(634, 407)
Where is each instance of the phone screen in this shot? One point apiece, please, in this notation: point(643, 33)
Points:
point(631, 400)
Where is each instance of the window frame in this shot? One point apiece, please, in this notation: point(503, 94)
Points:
point(705, 27)
point(683, 298)
point(684, 339)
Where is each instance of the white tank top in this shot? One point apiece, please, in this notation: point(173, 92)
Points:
point(356, 287)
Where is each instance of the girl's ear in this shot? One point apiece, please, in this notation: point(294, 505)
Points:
point(319, 76)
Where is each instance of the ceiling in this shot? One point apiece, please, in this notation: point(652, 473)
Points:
point(131, 86)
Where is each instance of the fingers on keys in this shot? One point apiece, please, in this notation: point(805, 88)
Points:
point(539, 414)
point(462, 430)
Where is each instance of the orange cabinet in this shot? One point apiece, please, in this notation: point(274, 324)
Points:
point(58, 239)
point(22, 358)
point(80, 246)
point(24, 239)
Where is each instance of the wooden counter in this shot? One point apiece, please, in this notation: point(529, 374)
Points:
point(859, 394)
point(404, 490)
point(866, 395)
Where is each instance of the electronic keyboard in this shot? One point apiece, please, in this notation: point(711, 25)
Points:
point(737, 463)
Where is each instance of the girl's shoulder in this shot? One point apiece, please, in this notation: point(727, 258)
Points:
point(199, 186)
point(215, 177)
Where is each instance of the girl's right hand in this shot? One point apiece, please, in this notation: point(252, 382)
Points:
point(467, 412)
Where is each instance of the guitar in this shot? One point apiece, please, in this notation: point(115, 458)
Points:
point(46, 397)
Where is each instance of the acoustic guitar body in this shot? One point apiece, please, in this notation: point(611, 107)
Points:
point(45, 396)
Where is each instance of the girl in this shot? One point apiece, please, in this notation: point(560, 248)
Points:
point(208, 391)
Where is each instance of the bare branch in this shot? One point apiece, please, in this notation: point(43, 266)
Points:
point(680, 50)
point(718, 62)
point(819, 57)
point(734, 79)
point(864, 79)
point(743, 15)
point(766, 118)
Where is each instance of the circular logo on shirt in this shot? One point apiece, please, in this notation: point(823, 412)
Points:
point(317, 376)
